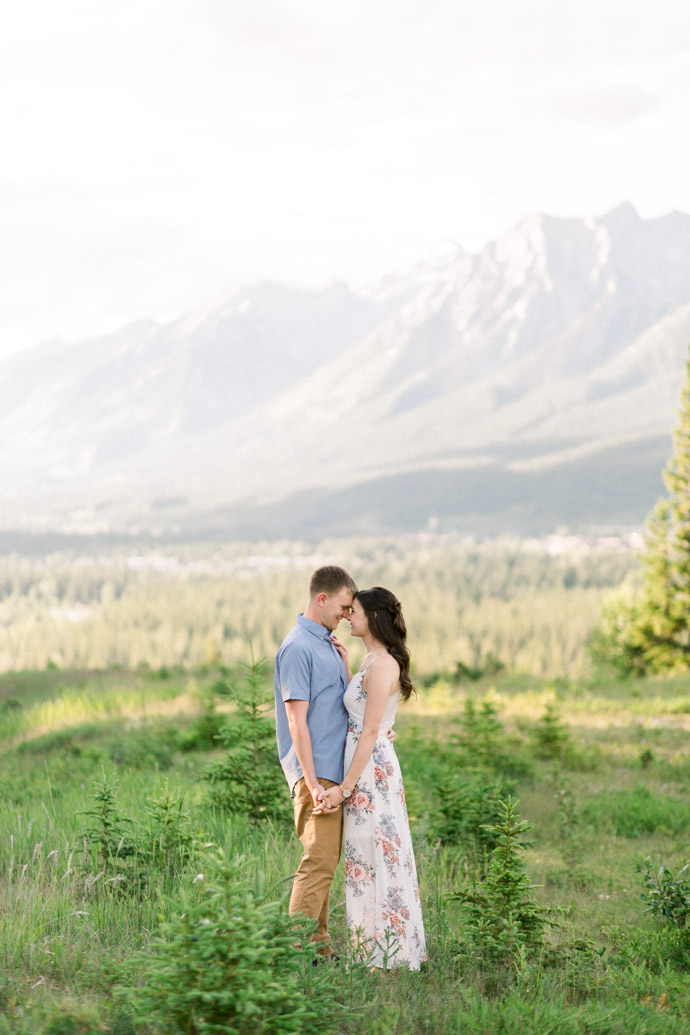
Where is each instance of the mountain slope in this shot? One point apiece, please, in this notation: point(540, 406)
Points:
point(560, 344)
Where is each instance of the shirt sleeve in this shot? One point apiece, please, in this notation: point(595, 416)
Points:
point(294, 673)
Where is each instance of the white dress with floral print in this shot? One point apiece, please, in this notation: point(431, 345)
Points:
point(384, 914)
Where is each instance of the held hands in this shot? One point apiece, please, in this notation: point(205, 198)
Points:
point(332, 799)
point(328, 801)
point(316, 792)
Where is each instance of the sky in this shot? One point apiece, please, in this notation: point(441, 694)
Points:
point(158, 154)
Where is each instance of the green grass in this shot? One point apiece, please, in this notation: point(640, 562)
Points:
point(71, 926)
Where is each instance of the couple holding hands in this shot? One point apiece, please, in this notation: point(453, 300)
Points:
point(336, 749)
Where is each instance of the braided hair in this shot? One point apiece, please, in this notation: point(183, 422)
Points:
point(386, 623)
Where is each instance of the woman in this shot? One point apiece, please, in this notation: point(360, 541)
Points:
point(382, 896)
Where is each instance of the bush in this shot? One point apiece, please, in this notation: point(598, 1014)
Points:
point(169, 842)
point(249, 779)
point(552, 738)
point(667, 893)
point(503, 923)
point(482, 742)
point(636, 812)
point(154, 745)
point(72, 1019)
point(230, 964)
point(469, 807)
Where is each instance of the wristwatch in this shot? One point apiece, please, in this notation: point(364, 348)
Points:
point(346, 792)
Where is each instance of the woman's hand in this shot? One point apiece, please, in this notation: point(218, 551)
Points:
point(331, 799)
point(343, 652)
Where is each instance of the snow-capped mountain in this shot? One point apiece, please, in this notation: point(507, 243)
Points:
point(555, 351)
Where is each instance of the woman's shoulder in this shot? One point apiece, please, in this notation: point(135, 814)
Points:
point(383, 667)
point(390, 663)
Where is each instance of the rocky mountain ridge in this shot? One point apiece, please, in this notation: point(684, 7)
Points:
point(560, 344)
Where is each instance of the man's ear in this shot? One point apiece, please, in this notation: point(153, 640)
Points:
point(321, 599)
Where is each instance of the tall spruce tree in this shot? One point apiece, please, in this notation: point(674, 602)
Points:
point(652, 633)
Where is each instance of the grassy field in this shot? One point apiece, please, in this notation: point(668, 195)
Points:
point(107, 828)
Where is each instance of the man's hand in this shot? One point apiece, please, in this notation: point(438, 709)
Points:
point(322, 802)
point(316, 791)
point(391, 735)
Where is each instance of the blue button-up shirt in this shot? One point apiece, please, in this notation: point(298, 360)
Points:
point(309, 668)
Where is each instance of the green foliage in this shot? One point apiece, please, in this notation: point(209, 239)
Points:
point(230, 963)
point(108, 832)
point(481, 732)
point(650, 632)
point(66, 940)
point(551, 736)
point(249, 779)
point(667, 892)
point(481, 742)
point(468, 811)
point(489, 666)
point(70, 1018)
point(476, 601)
point(503, 922)
point(205, 732)
point(168, 838)
point(155, 744)
point(571, 840)
point(632, 813)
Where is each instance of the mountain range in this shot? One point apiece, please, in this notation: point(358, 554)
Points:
point(529, 386)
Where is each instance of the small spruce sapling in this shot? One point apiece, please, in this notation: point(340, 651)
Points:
point(468, 809)
point(249, 779)
point(230, 962)
point(170, 842)
point(109, 833)
point(503, 923)
point(552, 737)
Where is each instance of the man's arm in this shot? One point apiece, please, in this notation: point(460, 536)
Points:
point(301, 741)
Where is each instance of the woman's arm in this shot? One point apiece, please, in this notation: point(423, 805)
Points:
point(381, 678)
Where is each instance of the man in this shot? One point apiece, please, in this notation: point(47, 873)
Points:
point(311, 727)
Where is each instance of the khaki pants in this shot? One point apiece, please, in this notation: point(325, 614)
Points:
point(321, 838)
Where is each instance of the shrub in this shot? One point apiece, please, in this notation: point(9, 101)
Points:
point(154, 745)
point(489, 666)
point(552, 738)
point(667, 894)
point(72, 1019)
point(249, 779)
point(170, 842)
point(469, 807)
point(481, 732)
point(503, 923)
point(107, 831)
point(482, 743)
point(230, 964)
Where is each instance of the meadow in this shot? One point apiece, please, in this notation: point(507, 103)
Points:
point(144, 847)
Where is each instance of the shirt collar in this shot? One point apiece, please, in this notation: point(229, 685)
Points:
point(320, 631)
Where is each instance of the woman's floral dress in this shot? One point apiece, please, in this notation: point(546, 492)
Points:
point(384, 914)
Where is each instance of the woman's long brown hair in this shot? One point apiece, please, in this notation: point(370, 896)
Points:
point(386, 623)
